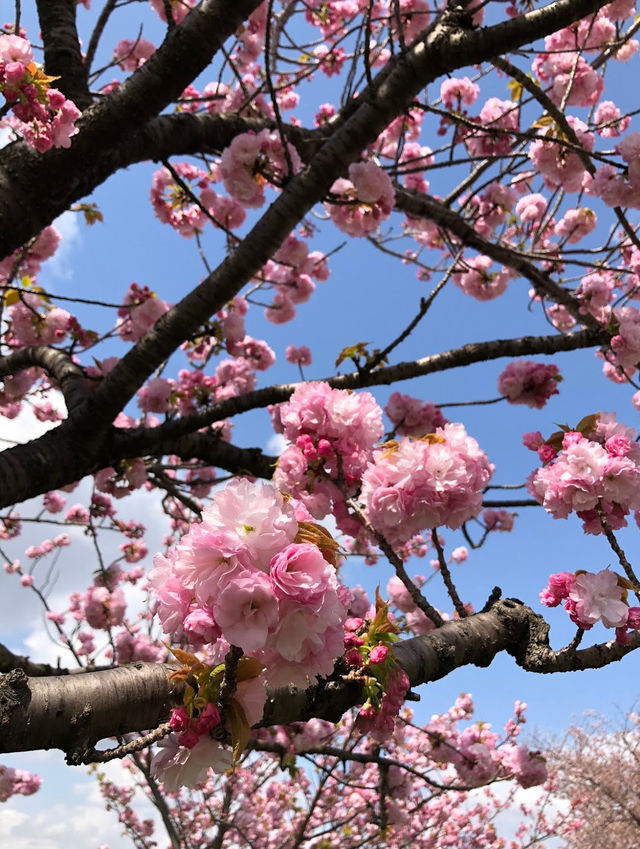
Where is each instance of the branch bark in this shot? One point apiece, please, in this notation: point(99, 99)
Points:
point(36, 188)
point(73, 712)
point(62, 55)
point(66, 375)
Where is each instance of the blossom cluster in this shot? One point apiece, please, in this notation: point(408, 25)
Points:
point(187, 205)
point(590, 597)
point(251, 161)
point(475, 279)
point(140, 310)
point(41, 114)
point(27, 261)
point(476, 752)
point(273, 807)
point(245, 575)
point(412, 417)
point(369, 651)
point(528, 382)
point(593, 470)
point(14, 781)
point(331, 434)
point(414, 484)
point(363, 201)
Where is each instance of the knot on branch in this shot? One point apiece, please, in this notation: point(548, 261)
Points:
point(15, 696)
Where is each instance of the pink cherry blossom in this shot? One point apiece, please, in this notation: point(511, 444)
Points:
point(175, 765)
point(528, 382)
point(425, 484)
point(366, 199)
point(598, 597)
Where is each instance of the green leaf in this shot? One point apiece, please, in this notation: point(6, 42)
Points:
point(240, 728)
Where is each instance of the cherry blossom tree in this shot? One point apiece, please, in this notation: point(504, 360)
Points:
point(588, 764)
point(475, 143)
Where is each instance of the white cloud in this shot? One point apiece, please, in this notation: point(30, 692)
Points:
point(76, 826)
point(6, 136)
point(26, 426)
point(11, 820)
point(276, 444)
point(42, 648)
point(68, 225)
point(68, 811)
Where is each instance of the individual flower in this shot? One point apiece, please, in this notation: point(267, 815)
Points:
point(364, 201)
point(178, 766)
point(595, 597)
point(246, 609)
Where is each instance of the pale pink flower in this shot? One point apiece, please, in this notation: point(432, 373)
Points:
point(455, 91)
point(104, 608)
point(557, 165)
point(177, 766)
point(154, 396)
point(460, 554)
point(306, 640)
point(246, 609)
point(412, 417)
point(298, 356)
point(528, 768)
point(598, 597)
point(140, 311)
point(130, 55)
point(257, 517)
point(366, 199)
point(425, 484)
point(300, 572)
point(15, 49)
point(608, 120)
point(474, 278)
point(497, 117)
point(531, 208)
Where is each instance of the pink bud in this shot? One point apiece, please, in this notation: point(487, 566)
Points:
point(378, 654)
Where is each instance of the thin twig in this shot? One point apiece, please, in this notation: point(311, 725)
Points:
point(446, 577)
point(418, 599)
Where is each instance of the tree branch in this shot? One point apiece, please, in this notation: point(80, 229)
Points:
point(53, 460)
point(36, 188)
point(59, 367)
point(74, 712)
point(62, 55)
point(419, 205)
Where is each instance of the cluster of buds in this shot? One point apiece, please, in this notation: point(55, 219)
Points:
point(41, 114)
point(369, 653)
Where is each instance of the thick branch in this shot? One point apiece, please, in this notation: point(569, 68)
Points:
point(54, 460)
point(46, 185)
point(36, 188)
point(62, 55)
point(212, 450)
point(68, 377)
point(74, 712)
point(444, 48)
point(141, 441)
point(9, 661)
